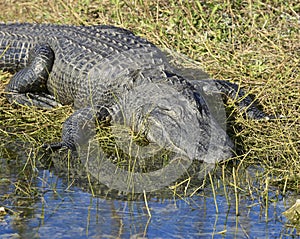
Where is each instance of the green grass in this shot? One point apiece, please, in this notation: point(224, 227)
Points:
point(253, 43)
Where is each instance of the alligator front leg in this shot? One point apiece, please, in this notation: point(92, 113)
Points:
point(80, 127)
point(28, 86)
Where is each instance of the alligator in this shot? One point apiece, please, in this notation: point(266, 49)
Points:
point(112, 76)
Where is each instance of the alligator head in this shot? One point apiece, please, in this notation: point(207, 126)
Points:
point(167, 119)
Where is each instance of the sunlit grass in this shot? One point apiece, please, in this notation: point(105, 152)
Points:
point(254, 44)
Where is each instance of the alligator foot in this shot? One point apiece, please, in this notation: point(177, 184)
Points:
point(40, 100)
point(211, 88)
point(80, 127)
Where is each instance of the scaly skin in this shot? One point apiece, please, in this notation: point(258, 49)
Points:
point(109, 74)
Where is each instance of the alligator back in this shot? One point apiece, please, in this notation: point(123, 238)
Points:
point(89, 60)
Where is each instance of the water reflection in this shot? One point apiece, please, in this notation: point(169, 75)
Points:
point(64, 211)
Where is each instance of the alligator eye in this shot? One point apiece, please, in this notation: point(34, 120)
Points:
point(166, 110)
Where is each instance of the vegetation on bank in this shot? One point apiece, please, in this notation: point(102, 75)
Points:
point(253, 43)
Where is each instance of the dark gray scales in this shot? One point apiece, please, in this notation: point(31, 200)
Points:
point(108, 73)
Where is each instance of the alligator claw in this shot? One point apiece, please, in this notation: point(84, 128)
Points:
point(53, 146)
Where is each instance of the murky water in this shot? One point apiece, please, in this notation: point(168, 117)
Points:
point(64, 210)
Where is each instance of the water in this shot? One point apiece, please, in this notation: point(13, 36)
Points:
point(66, 210)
